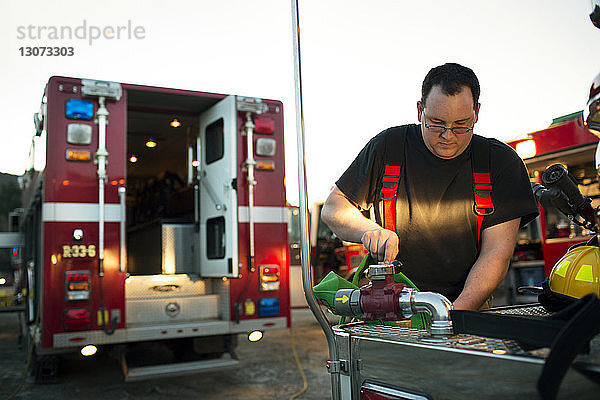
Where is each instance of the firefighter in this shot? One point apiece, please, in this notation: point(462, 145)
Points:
point(448, 203)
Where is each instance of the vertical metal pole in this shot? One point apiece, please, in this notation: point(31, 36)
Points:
point(250, 163)
point(122, 226)
point(333, 364)
point(101, 156)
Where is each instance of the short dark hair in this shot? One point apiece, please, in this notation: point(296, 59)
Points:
point(451, 78)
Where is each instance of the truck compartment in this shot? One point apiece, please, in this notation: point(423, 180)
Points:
point(162, 237)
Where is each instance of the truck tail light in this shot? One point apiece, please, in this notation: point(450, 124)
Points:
point(76, 319)
point(269, 278)
point(374, 391)
point(77, 285)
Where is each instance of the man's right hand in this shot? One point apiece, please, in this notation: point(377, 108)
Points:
point(381, 243)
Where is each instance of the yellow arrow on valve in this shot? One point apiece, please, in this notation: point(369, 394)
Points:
point(344, 298)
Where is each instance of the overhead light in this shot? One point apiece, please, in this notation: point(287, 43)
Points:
point(151, 143)
point(175, 123)
point(255, 336)
point(133, 159)
point(89, 350)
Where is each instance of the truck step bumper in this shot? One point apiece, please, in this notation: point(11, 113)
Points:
point(176, 369)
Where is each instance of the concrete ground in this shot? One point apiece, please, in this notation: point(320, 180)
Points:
point(267, 370)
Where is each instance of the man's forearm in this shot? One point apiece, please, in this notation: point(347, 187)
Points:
point(345, 220)
point(497, 245)
point(484, 278)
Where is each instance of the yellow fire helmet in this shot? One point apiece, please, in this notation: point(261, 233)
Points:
point(577, 273)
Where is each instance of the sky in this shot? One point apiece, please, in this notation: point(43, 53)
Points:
point(363, 63)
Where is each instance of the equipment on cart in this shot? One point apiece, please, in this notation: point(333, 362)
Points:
point(576, 273)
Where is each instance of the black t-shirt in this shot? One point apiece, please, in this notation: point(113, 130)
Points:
point(435, 221)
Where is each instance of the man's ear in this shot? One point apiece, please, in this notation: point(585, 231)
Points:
point(477, 111)
point(420, 110)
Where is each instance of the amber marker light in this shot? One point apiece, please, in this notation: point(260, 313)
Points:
point(133, 159)
point(151, 143)
point(195, 163)
point(175, 123)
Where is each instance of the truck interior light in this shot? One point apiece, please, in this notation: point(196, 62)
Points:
point(255, 336)
point(89, 350)
point(265, 147)
point(79, 109)
point(526, 149)
point(175, 123)
point(150, 143)
point(133, 159)
point(78, 155)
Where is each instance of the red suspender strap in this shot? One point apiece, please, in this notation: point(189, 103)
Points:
point(482, 191)
point(389, 192)
point(482, 182)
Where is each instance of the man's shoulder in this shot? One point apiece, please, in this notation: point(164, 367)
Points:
point(397, 132)
point(497, 148)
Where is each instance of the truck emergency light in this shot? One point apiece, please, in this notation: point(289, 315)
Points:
point(526, 149)
point(79, 109)
point(264, 125)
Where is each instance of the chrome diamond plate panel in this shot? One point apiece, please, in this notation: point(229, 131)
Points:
point(161, 286)
point(417, 336)
point(171, 310)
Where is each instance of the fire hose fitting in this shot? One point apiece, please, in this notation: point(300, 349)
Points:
point(382, 299)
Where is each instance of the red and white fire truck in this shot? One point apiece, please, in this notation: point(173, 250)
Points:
point(566, 141)
point(158, 219)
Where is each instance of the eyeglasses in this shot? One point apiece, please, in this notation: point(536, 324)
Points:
point(440, 129)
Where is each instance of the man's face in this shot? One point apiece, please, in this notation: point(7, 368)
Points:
point(449, 111)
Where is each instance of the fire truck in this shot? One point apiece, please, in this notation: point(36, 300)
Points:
point(157, 219)
point(568, 142)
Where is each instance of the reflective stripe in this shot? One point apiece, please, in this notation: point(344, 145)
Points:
point(585, 274)
point(562, 270)
point(264, 214)
point(79, 212)
point(88, 212)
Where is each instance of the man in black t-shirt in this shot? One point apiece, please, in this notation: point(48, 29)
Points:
point(436, 235)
